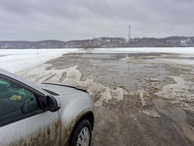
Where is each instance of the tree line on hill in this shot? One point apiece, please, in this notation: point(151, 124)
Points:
point(102, 42)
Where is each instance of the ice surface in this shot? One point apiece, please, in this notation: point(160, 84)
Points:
point(15, 60)
point(99, 93)
point(157, 61)
point(179, 50)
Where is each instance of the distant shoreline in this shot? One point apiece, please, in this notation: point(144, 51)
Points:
point(102, 42)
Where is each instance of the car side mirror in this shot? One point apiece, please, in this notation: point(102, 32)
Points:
point(52, 104)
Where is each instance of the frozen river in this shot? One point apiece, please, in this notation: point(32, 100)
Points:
point(142, 96)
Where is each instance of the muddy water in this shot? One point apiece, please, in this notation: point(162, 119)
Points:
point(125, 123)
point(109, 70)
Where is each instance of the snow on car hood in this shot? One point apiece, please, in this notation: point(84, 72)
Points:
point(55, 89)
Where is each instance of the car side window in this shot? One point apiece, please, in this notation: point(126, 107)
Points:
point(15, 101)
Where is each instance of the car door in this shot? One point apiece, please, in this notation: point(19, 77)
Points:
point(22, 119)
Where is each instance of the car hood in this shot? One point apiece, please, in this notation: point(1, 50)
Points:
point(56, 89)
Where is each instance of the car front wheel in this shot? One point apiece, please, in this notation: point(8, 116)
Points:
point(82, 134)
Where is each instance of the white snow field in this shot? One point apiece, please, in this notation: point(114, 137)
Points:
point(15, 60)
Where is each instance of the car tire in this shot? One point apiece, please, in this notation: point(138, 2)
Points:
point(82, 134)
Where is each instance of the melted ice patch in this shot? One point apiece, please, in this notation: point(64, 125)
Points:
point(178, 93)
point(136, 60)
point(147, 104)
point(98, 92)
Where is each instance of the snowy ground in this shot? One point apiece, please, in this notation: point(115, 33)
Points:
point(15, 60)
point(143, 96)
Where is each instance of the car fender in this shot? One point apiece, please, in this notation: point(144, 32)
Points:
point(73, 108)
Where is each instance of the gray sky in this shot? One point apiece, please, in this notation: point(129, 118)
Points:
point(65, 20)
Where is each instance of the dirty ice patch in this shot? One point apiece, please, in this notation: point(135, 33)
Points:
point(179, 93)
point(72, 76)
point(15, 60)
point(147, 104)
point(113, 96)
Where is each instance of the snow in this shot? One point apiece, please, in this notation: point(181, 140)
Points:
point(14, 60)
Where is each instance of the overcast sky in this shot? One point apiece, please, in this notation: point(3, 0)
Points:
point(65, 20)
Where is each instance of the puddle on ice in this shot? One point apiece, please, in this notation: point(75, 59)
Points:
point(111, 71)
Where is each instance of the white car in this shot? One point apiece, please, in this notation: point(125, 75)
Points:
point(43, 115)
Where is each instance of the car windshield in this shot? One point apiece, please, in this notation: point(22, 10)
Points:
point(135, 58)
